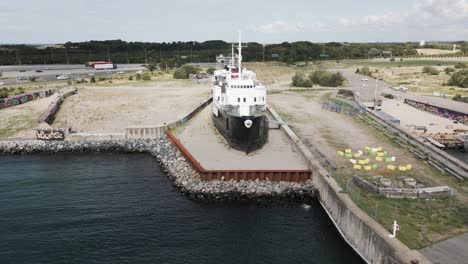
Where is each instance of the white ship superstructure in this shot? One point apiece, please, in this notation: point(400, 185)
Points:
point(239, 105)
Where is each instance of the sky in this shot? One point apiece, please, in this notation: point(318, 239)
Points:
point(272, 21)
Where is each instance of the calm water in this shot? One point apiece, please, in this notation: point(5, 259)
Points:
point(116, 208)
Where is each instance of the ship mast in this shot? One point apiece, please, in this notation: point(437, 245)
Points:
point(240, 56)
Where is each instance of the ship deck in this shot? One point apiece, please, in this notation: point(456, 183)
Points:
point(208, 147)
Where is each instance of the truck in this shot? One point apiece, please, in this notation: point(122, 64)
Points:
point(102, 65)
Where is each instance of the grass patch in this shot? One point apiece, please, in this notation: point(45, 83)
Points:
point(15, 124)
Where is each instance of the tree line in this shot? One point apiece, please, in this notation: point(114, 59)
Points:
point(179, 53)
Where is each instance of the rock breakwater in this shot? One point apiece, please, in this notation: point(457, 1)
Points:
point(177, 169)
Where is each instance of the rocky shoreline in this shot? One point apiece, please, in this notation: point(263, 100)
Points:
point(177, 169)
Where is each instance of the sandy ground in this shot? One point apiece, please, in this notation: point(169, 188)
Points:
point(204, 142)
point(112, 108)
point(22, 120)
point(435, 51)
point(410, 116)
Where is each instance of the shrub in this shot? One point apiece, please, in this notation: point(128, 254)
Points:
point(138, 77)
point(325, 78)
point(366, 71)
point(130, 78)
point(300, 80)
point(430, 70)
point(102, 79)
point(459, 78)
point(146, 77)
point(449, 70)
point(3, 94)
point(184, 72)
point(460, 65)
point(210, 70)
point(392, 59)
point(459, 98)
point(32, 78)
point(389, 96)
point(345, 92)
point(69, 82)
point(92, 80)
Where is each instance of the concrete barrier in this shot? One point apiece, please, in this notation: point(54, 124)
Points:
point(157, 131)
point(367, 237)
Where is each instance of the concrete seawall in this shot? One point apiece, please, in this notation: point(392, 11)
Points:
point(367, 237)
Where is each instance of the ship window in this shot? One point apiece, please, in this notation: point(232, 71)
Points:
point(244, 100)
point(218, 98)
point(255, 99)
point(238, 99)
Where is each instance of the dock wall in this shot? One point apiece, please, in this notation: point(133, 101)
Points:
point(367, 237)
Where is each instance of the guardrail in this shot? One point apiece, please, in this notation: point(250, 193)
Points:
point(237, 175)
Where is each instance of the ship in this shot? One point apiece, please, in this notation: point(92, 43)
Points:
point(239, 105)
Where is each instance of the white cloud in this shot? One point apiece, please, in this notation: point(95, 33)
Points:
point(425, 14)
point(278, 27)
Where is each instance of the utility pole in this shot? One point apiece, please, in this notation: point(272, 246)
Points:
point(108, 54)
point(126, 54)
point(146, 57)
point(66, 54)
point(191, 52)
point(18, 60)
point(263, 52)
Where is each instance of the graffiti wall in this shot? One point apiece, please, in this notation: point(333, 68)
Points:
point(23, 98)
point(50, 134)
point(453, 115)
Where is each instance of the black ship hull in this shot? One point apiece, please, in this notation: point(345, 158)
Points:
point(238, 135)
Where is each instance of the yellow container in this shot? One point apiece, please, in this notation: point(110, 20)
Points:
point(347, 151)
point(390, 167)
point(340, 153)
point(357, 167)
point(379, 149)
point(380, 154)
point(367, 148)
point(361, 162)
point(367, 161)
point(402, 168)
point(367, 168)
point(378, 158)
point(357, 155)
point(409, 167)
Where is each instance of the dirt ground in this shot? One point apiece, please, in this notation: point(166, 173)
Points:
point(22, 120)
point(111, 108)
point(330, 132)
point(435, 51)
point(209, 147)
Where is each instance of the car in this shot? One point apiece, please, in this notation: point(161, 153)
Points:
point(22, 71)
point(62, 77)
point(38, 71)
point(140, 71)
point(91, 74)
point(121, 72)
point(2, 83)
point(22, 78)
point(364, 79)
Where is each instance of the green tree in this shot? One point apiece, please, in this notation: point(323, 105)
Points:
point(210, 70)
point(184, 72)
point(151, 67)
point(430, 70)
point(92, 80)
point(138, 77)
point(459, 78)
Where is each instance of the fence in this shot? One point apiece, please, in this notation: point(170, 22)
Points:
point(340, 108)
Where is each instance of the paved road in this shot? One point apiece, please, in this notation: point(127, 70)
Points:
point(452, 251)
point(366, 90)
point(49, 72)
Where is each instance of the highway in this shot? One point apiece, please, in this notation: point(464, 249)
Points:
point(48, 72)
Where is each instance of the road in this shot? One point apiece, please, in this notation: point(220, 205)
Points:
point(367, 91)
point(50, 71)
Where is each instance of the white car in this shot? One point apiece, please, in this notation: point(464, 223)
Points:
point(91, 74)
point(140, 71)
point(364, 79)
point(62, 77)
point(121, 72)
point(2, 83)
